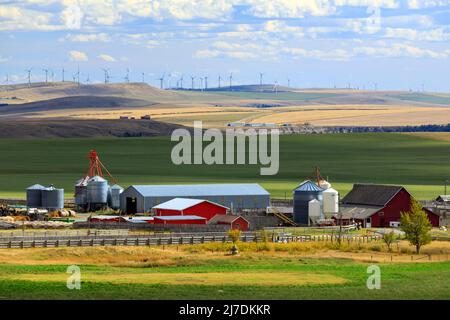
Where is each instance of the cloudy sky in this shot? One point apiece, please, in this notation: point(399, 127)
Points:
point(398, 44)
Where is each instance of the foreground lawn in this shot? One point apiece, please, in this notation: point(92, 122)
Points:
point(301, 271)
point(410, 160)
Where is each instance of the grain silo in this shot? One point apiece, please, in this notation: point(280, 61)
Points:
point(34, 196)
point(330, 202)
point(97, 192)
point(52, 198)
point(116, 190)
point(303, 194)
point(314, 211)
point(81, 193)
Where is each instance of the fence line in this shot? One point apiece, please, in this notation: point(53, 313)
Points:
point(122, 241)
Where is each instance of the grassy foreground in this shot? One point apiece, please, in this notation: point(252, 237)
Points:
point(414, 161)
point(260, 271)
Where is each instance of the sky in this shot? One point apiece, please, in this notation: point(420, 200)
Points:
point(388, 44)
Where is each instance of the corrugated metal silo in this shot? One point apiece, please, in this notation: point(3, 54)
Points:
point(81, 192)
point(330, 201)
point(97, 190)
point(303, 194)
point(34, 196)
point(116, 190)
point(52, 198)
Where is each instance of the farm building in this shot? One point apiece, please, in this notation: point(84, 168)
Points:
point(377, 206)
point(185, 206)
point(237, 196)
point(179, 220)
point(235, 222)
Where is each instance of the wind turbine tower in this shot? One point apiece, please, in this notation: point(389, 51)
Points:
point(206, 82)
point(161, 81)
point(181, 82)
point(46, 75)
point(192, 82)
point(220, 78)
point(29, 77)
point(231, 79)
point(127, 76)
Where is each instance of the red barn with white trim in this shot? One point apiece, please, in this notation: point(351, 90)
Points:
point(179, 220)
point(185, 207)
point(378, 205)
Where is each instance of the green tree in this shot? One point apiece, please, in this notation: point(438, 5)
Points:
point(416, 226)
point(235, 235)
point(389, 238)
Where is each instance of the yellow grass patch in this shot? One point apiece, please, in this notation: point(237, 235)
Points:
point(208, 278)
point(441, 136)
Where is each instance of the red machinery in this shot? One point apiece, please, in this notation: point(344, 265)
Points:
point(95, 167)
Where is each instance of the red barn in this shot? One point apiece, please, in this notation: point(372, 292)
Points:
point(378, 206)
point(235, 222)
point(184, 206)
point(179, 220)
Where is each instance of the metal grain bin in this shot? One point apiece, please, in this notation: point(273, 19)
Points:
point(52, 198)
point(97, 190)
point(303, 194)
point(116, 190)
point(81, 192)
point(34, 195)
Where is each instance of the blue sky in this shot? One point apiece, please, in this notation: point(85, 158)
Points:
point(398, 44)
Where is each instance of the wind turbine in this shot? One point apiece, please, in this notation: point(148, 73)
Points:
point(161, 80)
point(181, 82)
point(87, 80)
point(127, 76)
point(7, 81)
point(231, 79)
point(201, 83)
point(289, 82)
point(220, 78)
point(143, 77)
point(46, 75)
point(275, 87)
point(63, 74)
point(206, 82)
point(106, 72)
point(77, 75)
point(261, 78)
point(29, 76)
point(192, 82)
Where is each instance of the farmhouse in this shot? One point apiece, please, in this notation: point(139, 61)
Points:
point(186, 206)
point(377, 206)
point(237, 196)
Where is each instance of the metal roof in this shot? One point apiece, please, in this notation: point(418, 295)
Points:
point(36, 187)
point(173, 218)
point(116, 186)
point(308, 185)
point(357, 212)
point(228, 218)
point(96, 178)
point(371, 194)
point(193, 190)
point(181, 204)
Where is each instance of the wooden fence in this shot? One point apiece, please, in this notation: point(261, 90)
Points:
point(119, 241)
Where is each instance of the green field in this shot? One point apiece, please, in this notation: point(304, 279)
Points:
point(421, 164)
point(310, 279)
point(426, 98)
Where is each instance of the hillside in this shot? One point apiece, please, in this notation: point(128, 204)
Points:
point(69, 128)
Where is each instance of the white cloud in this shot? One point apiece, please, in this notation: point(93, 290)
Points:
point(77, 56)
point(327, 55)
point(399, 50)
point(416, 35)
point(88, 37)
point(4, 59)
point(152, 44)
point(106, 57)
point(206, 53)
point(420, 4)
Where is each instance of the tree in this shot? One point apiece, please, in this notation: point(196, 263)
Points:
point(416, 226)
point(389, 238)
point(235, 235)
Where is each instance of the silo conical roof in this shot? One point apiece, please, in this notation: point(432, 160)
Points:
point(36, 187)
point(308, 185)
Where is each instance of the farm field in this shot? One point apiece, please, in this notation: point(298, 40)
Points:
point(413, 161)
point(282, 271)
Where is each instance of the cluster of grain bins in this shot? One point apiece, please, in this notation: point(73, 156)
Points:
point(49, 198)
point(93, 193)
point(313, 202)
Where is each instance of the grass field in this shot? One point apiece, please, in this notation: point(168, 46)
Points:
point(298, 271)
point(420, 163)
